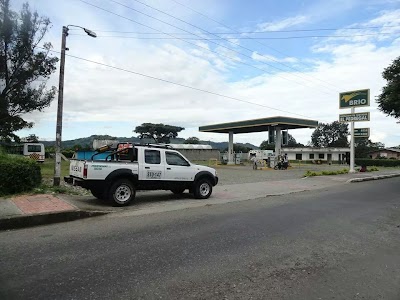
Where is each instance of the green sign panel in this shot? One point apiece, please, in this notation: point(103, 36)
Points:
point(361, 132)
point(354, 99)
point(357, 117)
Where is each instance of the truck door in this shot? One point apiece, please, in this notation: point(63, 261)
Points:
point(150, 165)
point(177, 168)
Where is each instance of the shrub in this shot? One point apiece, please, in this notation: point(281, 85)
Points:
point(311, 173)
point(372, 169)
point(18, 174)
point(378, 162)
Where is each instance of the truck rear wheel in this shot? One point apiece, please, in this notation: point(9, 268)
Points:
point(202, 189)
point(122, 192)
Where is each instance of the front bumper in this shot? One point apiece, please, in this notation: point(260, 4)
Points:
point(216, 180)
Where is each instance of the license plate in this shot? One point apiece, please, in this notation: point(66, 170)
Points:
point(153, 175)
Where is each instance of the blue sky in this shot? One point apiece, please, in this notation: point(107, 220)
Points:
point(250, 61)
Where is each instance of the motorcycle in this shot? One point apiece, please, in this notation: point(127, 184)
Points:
point(281, 166)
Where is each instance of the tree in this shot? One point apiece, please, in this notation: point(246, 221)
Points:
point(76, 147)
point(32, 138)
point(160, 133)
point(363, 147)
point(192, 140)
point(389, 100)
point(330, 135)
point(237, 148)
point(24, 68)
point(267, 146)
point(271, 146)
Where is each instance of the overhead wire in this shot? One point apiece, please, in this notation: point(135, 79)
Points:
point(257, 32)
point(199, 46)
point(243, 38)
point(227, 40)
point(175, 83)
point(234, 30)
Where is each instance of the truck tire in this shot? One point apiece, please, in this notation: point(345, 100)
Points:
point(178, 191)
point(202, 189)
point(98, 193)
point(122, 192)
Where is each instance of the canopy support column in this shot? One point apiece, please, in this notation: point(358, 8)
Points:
point(278, 141)
point(230, 149)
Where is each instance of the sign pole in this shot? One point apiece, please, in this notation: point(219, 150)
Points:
point(352, 144)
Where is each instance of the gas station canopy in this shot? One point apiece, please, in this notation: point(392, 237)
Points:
point(259, 125)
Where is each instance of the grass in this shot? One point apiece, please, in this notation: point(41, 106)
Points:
point(47, 171)
point(48, 188)
point(47, 168)
point(325, 173)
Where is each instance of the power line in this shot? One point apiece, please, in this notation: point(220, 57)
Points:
point(242, 38)
point(230, 49)
point(227, 40)
point(176, 83)
point(257, 32)
point(234, 30)
point(199, 46)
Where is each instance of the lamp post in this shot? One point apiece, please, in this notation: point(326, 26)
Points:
point(57, 165)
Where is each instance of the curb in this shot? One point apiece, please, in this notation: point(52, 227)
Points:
point(377, 177)
point(43, 219)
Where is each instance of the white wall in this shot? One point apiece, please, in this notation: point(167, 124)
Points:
point(335, 152)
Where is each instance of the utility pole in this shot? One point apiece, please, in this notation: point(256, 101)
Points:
point(57, 165)
point(352, 152)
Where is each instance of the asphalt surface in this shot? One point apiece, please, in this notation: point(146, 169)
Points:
point(245, 174)
point(336, 243)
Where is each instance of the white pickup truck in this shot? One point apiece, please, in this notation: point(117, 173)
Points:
point(138, 167)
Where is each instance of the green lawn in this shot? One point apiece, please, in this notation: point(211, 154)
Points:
point(48, 168)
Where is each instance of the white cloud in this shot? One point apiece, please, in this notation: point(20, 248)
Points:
point(387, 18)
point(102, 98)
point(284, 23)
point(269, 58)
point(387, 23)
point(108, 96)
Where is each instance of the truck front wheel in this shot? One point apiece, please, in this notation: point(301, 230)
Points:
point(202, 189)
point(122, 192)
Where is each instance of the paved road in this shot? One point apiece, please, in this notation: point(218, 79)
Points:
point(335, 243)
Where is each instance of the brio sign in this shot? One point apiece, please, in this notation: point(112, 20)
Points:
point(354, 99)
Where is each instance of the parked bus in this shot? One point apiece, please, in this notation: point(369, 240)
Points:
point(32, 150)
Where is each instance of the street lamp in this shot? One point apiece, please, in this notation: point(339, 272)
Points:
point(57, 165)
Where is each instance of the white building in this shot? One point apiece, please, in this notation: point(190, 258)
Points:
point(327, 155)
point(195, 152)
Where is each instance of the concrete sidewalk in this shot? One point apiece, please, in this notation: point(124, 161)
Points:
point(31, 210)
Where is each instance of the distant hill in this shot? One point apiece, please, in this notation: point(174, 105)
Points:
point(88, 141)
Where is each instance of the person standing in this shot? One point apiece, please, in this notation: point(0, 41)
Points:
point(254, 162)
point(285, 161)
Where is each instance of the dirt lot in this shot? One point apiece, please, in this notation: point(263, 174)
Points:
point(246, 174)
